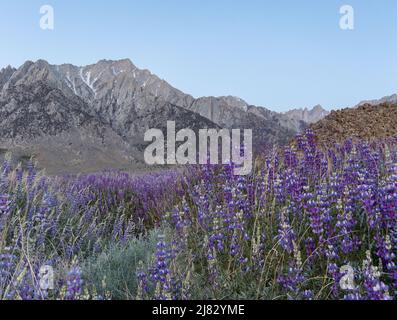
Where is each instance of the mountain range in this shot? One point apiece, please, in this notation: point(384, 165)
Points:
point(308, 115)
point(78, 119)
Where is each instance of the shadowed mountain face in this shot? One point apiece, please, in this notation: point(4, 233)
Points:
point(34, 110)
point(61, 132)
point(366, 122)
point(109, 106)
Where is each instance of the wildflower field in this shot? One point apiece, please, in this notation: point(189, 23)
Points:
point(293, 229)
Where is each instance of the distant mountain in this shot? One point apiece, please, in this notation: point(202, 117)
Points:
point(364, 122)
point(308, 115)
point(388, 99)
point(114, 103)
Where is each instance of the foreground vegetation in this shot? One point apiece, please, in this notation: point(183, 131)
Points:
point(291, 230)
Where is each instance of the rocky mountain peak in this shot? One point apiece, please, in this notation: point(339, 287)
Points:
point(8, 70)
point(5, 75)
point(308, 115)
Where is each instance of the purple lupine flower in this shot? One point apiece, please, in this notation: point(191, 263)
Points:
point(7, 266)
point(142, 282)
point(4, 204)
point(388, 257)
point(291, 282)
point(333, 272)
point(74, 283)
point(375, 288)
point(286, 234)
point(160, 272)
point(307, 295)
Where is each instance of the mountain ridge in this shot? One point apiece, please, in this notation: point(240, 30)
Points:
point(387, 99)
point(308, 115)
point(124, 101)
point(83, 75)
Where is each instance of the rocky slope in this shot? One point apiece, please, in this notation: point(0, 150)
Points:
point(30, 111)
point(365, 122)
point(61, 132)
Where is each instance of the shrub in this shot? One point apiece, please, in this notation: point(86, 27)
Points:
point(114, 271)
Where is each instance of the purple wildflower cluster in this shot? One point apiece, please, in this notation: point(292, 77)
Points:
point(286, 231)
point(293, 224)
point(57, 221)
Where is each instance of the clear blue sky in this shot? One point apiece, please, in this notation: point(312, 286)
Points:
point(278, 54)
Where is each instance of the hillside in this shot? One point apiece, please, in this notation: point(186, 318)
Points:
point(366, 122)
